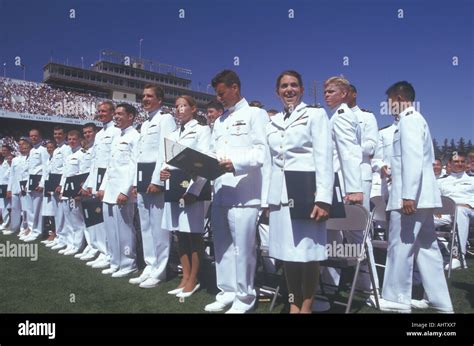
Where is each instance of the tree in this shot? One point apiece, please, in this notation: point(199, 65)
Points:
point(437, 151)
point(469, 146)
point(452, 146)
point(445, 148)
point(461, 145)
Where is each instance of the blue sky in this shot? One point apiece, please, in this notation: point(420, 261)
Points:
point(381, 47)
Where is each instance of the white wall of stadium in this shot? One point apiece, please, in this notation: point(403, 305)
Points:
point(46, 118)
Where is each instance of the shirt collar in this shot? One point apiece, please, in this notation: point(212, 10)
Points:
point(242, 103)
point(109, 124)
point(355, 108)
point(153, 113)
point(404, 113)
point(128, 129)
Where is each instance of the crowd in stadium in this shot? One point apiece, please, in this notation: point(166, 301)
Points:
point(263, 158)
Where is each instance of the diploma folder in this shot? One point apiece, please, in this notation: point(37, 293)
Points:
point(3, 191)
point(52, 183)
point(73, 185)
point(33, 181)
point(178, 183)
point(301, 187)
point(192, 161)
point(144, 174)
point(100, 178)
point(92, 208)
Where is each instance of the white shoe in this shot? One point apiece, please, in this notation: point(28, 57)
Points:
point(235, 311)
point(110, 270)
point(88, 256)
point(58, 246)
point(387, 305)
point(139, 280)
point(78, 255)
point(53, 243)
point(101, 264)
point(150, 283)
point(7, 232)
point(419, 304)
point(124, 272)
point(455, 264)
point(72, 251)
point(183, 294)
point(176, 291)
point(67, 248)
point(215, 307)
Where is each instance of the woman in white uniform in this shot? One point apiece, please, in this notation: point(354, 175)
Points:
point(25, 198)
point(188, 219)
point(299, 140)
point(48, 206)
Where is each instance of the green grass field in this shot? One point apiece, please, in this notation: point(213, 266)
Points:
point(62, 284)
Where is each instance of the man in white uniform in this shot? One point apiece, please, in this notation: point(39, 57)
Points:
point(239, 142)
point(413, 197)
point(116, 193)
point(156, 241)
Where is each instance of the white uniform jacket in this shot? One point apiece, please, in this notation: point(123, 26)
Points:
point(300, 143)
point(369, 136)
point(37, 161)
point(346, 140)
point(17, 172)
point(151, 142)
point(101, 152)
point(194, 136)
point(239, 135)
point(75, 164)
point(459, 187)
point(120, 172)
point(412, 163)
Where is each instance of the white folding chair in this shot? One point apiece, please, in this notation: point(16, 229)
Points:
point(449, 207)
point(357, 218)
point(379, 216)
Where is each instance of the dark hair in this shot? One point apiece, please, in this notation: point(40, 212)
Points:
point(215, 104)
point(353, 88)
point(438, 159)
point(74, 133)
point(159, 93)
point(228, 77)
point(403, 89)
point(129, 109)
point(39, 132)
point(256, 103)
point(59, 127)
point(8, 146)
point(108, 103)
point(272, 111)
point(457, 153)
point(289, 73)
point(91, 125)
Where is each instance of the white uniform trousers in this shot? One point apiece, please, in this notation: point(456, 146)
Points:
point(234, 233)
point(463, 218)
point(121, 236)
point(156, 241)
point(59, 220)
point(26, 205)
point(74, 226)
point(34, 213)
point(5, 213)
point(99, 238)
point(15, 214)
point(412, 239)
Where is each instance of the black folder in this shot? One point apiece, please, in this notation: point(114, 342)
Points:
point(23, 184)
point(3, 191)
point(33, 181)
point(92, 209)
point(192, 161)
point(52, 183)
point(100, 177)
point(73, 185)
point(144, 174)
point(301, 187)
point(178, 183)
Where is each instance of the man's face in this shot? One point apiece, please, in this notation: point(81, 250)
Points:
point(104, 113)
point(5, 152)
point(25, 148)
point(50, 148)
point(334, 95)
point(89, 134)
point(213, 114)
point(471, 162)
point(34, 137)
point(73, 141)
point(150, 101)
point(437, 167)
point(59, 136)
point(122, 118)
point(228, 96)
point(290, 91)
point(458, 164)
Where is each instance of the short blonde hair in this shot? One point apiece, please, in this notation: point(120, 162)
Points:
point(340, 82)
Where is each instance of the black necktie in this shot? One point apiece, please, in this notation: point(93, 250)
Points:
point(182, 128)
point(287, 115)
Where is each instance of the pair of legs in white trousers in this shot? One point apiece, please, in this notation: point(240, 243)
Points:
point(412, 239)
point(15, 214)
point(74, 226)
point(234, 233)
point(34, 218)
point(464, 216)
point(121, 237)
point(156, 241)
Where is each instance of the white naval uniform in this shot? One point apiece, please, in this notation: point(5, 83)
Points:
point(49, 206)
point(100, 159)
point(57, 163)
point(74, 226)
point(460, 187)
point(238, 135)
point(156, 241)
point(383, 155)
point(16, 171)
point(368, 142)
point(37, 161)
point(5, 203)
point(300, 143)
point(189, 219)
point(349, 159)
point(412, 238)
point(118, 219)
point(25, 200)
